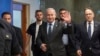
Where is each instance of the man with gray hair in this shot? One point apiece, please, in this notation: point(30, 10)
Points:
point(49, 38)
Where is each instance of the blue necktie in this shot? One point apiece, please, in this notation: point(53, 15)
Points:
point(49, 31)
point(89, 30)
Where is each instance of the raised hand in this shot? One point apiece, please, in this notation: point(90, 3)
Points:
point(67, 18)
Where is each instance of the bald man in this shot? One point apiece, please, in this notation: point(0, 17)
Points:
point(49, 38)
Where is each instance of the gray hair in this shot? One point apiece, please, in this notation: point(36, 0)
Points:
point(52, 9)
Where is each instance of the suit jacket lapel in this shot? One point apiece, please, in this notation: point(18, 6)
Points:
point(54, 27)
point(85, 26)
point(54, 30)
point(95, 28)
point(45, 29)
point(34, 27)
point(85, 29)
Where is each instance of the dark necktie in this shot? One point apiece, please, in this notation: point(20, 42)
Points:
point(89, 30)
point(49, 31)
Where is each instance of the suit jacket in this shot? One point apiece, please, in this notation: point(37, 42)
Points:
point(54, 44)
point(86, 44)
point(31, 30)
point(71, 48)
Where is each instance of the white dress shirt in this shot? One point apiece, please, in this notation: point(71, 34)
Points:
point(48, 24)
point(65, 39)
point(92, 27)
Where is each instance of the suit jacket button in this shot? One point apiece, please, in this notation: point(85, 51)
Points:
point(90, 48)
point(7, 36)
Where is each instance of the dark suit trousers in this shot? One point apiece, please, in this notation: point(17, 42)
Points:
point(46, 54)
point(36, 51)
point(89, 53)
point(66, 48)
point(69, 51)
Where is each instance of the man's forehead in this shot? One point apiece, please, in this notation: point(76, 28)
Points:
point(51, 9)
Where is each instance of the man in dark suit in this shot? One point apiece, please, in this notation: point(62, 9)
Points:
point(9, 45)
point(88, 36)
point(7, 17)
point(68, 39)
point(33, 31)
point(49, 38)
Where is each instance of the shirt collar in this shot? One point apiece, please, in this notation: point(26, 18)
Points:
point(51, 23)
point(90, 22)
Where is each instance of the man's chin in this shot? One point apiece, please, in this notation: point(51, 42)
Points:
point(39, 20)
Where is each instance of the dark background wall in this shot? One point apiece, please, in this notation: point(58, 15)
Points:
point(76, 7)
point(79, 6)
point(56, 4)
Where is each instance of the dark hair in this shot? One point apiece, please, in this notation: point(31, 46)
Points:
point(90, 9)
point(5, 13)
point(63, 9)
point(38, 11)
